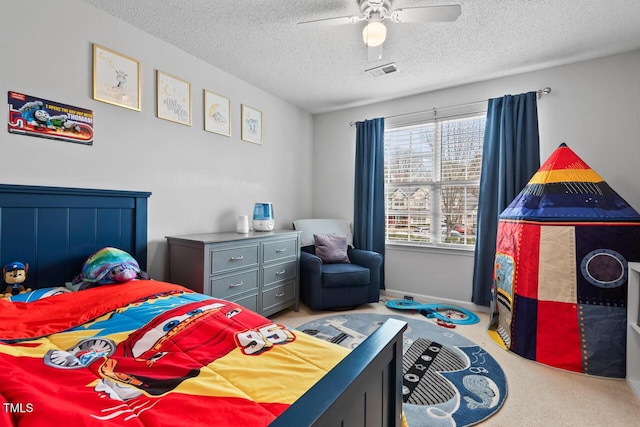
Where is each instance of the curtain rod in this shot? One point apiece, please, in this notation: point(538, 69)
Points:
point(540, 92)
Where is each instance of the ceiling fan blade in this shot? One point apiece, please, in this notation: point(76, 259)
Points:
point(427, 14)
point(329, 22)
point(374, 53)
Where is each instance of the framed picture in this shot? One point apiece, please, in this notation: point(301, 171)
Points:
point(174, 99)
point(116, 78)
point(251, 124)
point(217, 113)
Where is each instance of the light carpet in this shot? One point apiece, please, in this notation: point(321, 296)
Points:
point(448, 380)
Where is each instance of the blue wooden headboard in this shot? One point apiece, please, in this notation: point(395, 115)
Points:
point(55, 229)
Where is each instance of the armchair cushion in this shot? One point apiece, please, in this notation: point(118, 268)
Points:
point(331, 248)
point(344, 275)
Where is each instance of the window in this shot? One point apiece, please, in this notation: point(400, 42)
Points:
point(432, 179)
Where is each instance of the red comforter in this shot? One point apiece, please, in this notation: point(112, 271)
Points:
point(149, 353)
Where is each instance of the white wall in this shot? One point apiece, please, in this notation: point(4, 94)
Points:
point(594, 107)
point(200, 180)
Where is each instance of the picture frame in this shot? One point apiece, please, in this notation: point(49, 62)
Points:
point(217, 113)
point(251, 124)
point(173, 98)
point(116, 78)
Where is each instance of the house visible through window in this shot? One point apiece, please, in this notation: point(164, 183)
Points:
point(432, 178)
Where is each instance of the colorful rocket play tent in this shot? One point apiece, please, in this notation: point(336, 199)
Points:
point(560, 290)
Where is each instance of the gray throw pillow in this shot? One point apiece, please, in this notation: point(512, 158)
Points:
point(331, 248)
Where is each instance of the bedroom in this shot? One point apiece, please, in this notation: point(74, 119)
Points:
point(202, 181)
point(189, 171)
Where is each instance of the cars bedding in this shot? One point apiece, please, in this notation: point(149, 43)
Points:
point(150, 353)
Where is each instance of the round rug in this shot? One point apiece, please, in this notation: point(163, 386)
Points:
point(448, 380)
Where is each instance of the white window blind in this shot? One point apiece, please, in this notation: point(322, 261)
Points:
point(432, 177)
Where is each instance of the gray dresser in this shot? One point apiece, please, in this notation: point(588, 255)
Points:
point(258, 270)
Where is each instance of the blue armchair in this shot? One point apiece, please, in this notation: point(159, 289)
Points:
point(325, 286)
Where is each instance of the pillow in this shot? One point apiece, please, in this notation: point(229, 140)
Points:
point(38, 294)
point(107, 266)
point(331, 248)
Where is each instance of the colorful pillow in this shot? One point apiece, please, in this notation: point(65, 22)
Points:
point(331, 248)
point(106, 266)
point(38, 294)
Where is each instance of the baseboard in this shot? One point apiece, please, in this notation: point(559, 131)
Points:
point(635, 386)
point(426, 299)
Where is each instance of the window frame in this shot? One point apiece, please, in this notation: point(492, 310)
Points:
point(435, 241)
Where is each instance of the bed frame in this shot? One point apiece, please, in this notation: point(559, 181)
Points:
point(55, 229)
point(364, 389)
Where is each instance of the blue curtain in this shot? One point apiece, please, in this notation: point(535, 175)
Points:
point(369, 221)
point(510, 157)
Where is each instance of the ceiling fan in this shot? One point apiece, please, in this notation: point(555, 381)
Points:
point(377, 12)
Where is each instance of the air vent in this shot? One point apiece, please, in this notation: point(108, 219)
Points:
point(382, 70)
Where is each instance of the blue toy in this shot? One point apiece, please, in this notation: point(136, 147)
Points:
point(14, 274)
point(444, 314)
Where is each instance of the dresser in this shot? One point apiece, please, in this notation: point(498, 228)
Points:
point(258, 270)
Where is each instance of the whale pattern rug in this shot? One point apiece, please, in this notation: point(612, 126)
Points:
point(448, 380)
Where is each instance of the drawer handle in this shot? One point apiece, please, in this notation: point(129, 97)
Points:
point(281, 250)
point(236, 258)
point(280, 295)
point(235, 285)
point(280, 273)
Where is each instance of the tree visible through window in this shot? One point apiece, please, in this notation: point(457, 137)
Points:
point(432, 177)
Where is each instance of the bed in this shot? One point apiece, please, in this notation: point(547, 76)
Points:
point(91, 339)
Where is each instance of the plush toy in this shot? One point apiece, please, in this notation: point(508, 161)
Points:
point(14, 274)
point(106, 266)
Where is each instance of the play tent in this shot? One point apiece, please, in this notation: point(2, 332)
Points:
point(560, 288)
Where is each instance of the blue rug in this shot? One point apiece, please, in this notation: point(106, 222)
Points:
point(448, 380)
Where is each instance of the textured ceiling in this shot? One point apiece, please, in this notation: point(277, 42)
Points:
point(324, 69)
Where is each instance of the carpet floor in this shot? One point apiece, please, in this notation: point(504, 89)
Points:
point(538, 395)
point(447, 379)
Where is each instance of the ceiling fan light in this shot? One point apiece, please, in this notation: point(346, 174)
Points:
point(374, 34)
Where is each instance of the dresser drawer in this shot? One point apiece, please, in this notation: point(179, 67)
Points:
point(273, 251)
point(232, 258)
point(227, 286)
point(278, 295)
point(279, 272)
point(248, 301)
